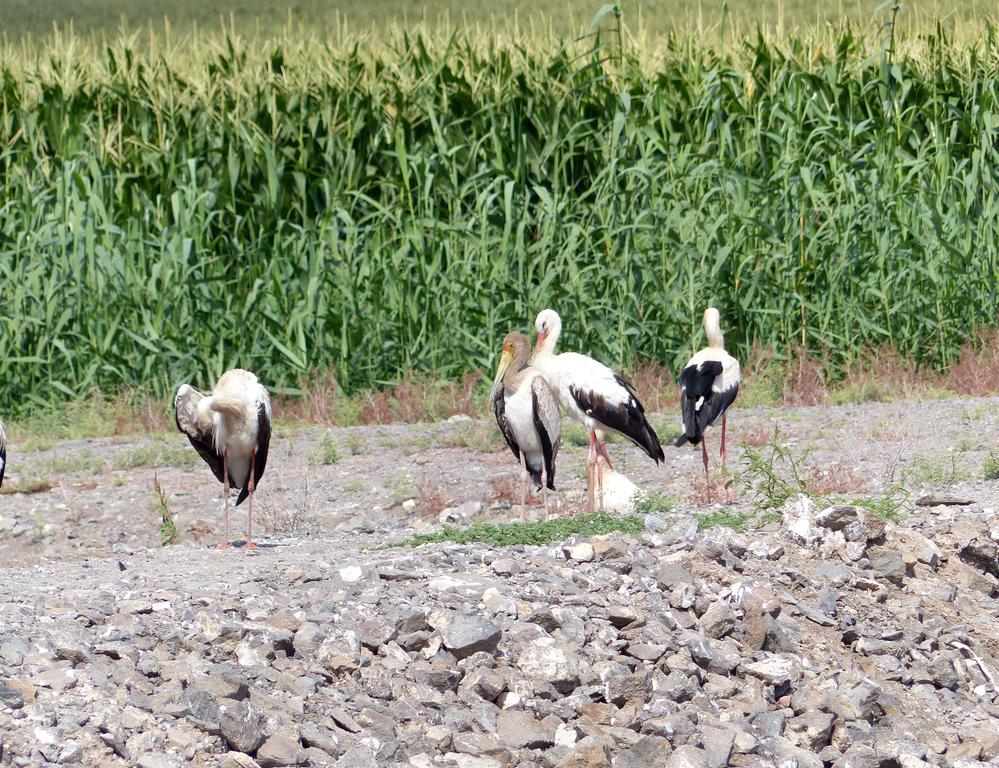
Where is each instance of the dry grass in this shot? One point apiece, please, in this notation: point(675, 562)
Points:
point(836, 478)
point(704, 493)
point(805, 380)
point(656, 385)
point(757, 437)
point(879, 374)
point(506, 488)
point(421, 398)
point(431, 499)
point(976, 371)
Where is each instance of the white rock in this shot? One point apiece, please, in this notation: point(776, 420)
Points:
point(351, 573)
point(565, 735)
point(799, 519)
point(582, 553)
point(619, 493)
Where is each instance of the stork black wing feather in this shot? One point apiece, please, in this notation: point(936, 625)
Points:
point(626, 418)
point(499, 409)
point(263, 444)
point(696, 383)
point(204, 443)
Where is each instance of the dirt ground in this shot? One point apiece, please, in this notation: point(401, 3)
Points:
point(94, 504)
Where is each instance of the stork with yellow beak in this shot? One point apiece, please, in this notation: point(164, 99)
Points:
point(527, 414)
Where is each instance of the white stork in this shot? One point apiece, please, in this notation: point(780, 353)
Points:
point(593, 395)
point(3, 452)
point(231, 430)
point(527, 413)
point(708, 386)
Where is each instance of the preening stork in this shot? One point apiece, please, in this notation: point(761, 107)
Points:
point(527, 414)
point(231, 430)
point(596, 397)
point(708, 386)
point(3, 452)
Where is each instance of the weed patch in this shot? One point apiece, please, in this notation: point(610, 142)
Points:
point(535, 534)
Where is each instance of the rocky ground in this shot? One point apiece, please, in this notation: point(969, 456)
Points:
point(748, 625)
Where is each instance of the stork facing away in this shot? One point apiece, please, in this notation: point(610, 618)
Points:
point(527, 414)
point(708, 386)
point(3, 452)
point(594, 396)
point(231, 430)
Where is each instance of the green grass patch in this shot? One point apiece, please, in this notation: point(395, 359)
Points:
point(70, 463)
point(328, 452)
point(537, 533)
point(737, 521)
point(990, 467)
point(29, 486)
point(156, 455)
point(480, 436)
point(653, 503)
point(940, 470)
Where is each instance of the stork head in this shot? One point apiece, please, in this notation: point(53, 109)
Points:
point(516, 348)
point(548, 325)
point(712, 327)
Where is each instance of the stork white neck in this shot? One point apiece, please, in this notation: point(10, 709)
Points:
point(712, 327)
point(549, 328)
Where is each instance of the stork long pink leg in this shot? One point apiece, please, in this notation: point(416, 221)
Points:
point(224, 544)
point(251, 486)
point(602, 451)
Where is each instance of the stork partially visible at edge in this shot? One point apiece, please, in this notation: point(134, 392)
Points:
point(596, 397)
point(708, 386)
point(527, 414)
point(3, 452)
point(231, 430)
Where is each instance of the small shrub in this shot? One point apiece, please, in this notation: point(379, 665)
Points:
point(990, 467)
point(653, 503)
point(328, 453)
point(737, 521)
point(167, 528)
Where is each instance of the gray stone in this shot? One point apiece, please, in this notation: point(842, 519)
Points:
point(687, 756)
point(943, 673)
point(770, 724)
point(718, 620)
point(837, 517)
point(521, 730)
point(223, 683)
point(11, 697)
point(158, 760)
point(467, 634)
point(242, 726)
point(549, 661)
point(836, 573)
point(357, 757)
point(858, 756)
point(278, 750)
point(889, 565)
point(717, 743)
point(202, 709)
point(811, 730)
point(314, 735)
point(670, 575)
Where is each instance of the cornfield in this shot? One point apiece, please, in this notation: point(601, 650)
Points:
point(306, 206)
